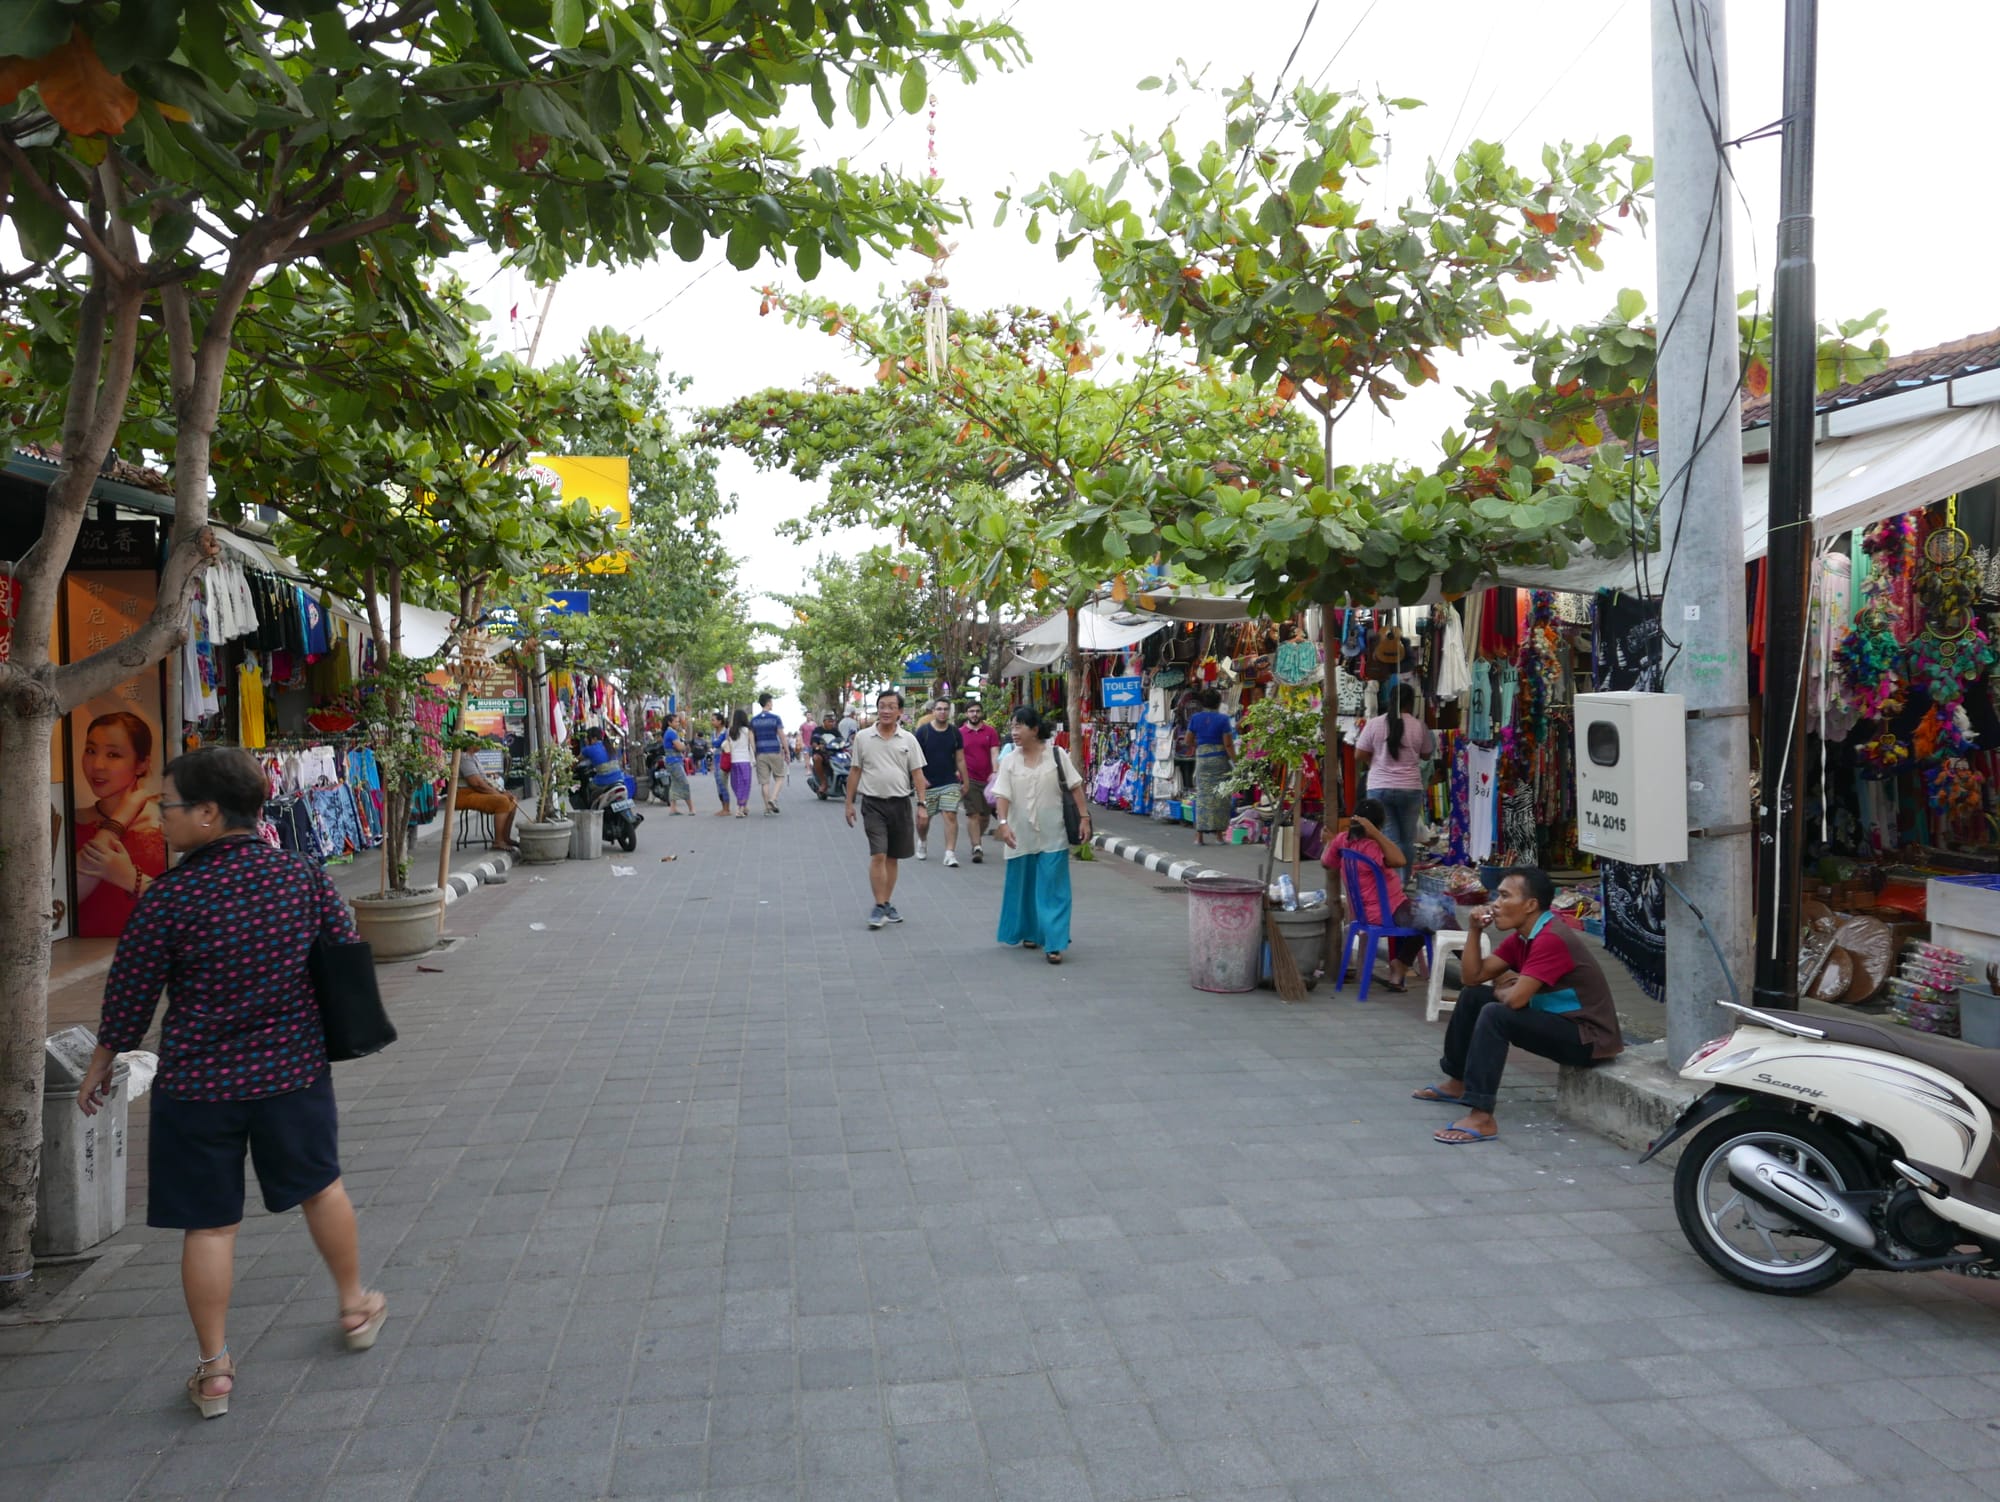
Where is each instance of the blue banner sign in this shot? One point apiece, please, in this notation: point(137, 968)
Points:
point(1124, 693)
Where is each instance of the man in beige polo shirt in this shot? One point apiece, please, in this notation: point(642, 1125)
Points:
point(888, 775)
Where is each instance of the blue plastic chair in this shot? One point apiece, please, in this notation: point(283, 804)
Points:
point(1355, 867)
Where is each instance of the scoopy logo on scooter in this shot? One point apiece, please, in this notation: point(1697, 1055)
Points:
point(1765, 1079)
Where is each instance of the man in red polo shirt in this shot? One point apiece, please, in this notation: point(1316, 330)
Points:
point(1540, 989)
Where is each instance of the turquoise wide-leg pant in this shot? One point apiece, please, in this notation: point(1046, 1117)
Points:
point(1034, 908)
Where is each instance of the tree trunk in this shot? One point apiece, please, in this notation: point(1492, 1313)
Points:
point(468, 622)
point(28, 720)
point(1333, 800)
point(1073, 688)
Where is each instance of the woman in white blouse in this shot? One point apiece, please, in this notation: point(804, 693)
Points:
point(1027, 799)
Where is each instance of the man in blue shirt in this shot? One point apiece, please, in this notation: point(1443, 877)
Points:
point(606, 770)
point(769, 733)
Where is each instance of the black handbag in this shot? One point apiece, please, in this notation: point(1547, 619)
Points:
point(350, 1000)
point(1072, 819)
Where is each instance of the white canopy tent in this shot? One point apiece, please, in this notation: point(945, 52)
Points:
point(1857, 480)
point(1098, 629)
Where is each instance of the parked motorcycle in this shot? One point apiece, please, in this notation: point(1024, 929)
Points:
point(621, 815)
point(1824, 1144)
point(837, 756)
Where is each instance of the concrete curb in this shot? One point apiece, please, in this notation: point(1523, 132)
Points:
point(1151, 859)
point(461, 883)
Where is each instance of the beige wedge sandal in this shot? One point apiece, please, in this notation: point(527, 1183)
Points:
point(360, 1337)
point(212, 1405)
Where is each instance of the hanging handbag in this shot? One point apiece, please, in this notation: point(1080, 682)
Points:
point(1072, 816)
point(350, 1000)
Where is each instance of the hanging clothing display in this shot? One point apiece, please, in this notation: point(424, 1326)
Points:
point(1482, 801)
point(250, 707)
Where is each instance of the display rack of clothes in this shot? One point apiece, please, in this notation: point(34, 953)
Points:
point(325, 798)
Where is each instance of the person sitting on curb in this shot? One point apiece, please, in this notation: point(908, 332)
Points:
point(1540, 988)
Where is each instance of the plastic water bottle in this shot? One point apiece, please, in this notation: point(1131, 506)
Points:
point(1288, 893)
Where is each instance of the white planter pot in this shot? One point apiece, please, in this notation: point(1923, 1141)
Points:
point(543, 844)
point(399, 925)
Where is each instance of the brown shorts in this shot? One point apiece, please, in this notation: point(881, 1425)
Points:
point(891, 826)
point(972, 800)
point(486, 803)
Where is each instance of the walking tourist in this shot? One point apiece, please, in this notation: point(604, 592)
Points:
point(1557, 1005)
point(944, 777)
point(243, 1062)
point(888, 775)
point(1363, 835)
point(718, 753)
point(742, 760)
point(1027, 801)
point(1214, 753)
point(768, 732)
point(979, 745)
point(1392, 747)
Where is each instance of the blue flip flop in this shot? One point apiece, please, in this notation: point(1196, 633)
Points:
point(1430, 1092)
point(1467, 1136)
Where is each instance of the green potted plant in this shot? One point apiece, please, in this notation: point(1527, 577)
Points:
point(545, 838)
point(400, 921)
point(1276, 735)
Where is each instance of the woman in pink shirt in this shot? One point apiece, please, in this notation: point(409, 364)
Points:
point(1392, 747)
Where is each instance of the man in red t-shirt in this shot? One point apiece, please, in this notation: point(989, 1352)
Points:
point(1540, 988)
point(981, 744)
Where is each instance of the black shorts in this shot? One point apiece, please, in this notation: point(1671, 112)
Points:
point(891, 824)
point(195, 1158)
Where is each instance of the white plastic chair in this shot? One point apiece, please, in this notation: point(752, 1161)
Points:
point(1448, 942)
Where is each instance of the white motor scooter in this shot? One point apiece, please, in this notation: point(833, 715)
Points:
point(1824, 1144)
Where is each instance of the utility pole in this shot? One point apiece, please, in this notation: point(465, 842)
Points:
point(1701, 512)
point(1781, 815)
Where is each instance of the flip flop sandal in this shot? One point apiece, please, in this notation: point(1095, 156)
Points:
point(1465, 1138)
point(1431, 1092)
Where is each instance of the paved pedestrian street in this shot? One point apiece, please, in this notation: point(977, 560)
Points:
point(684, 1184)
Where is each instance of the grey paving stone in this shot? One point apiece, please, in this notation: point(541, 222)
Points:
point(678, 1199)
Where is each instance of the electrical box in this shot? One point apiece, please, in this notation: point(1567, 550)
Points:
point(1631, 777)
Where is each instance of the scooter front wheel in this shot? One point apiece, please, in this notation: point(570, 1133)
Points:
point(1749, 1244)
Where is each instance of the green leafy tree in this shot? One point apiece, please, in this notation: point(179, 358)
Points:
point(1013, 414)
point(641, 618)
point(161, 158)
point(855, 623)
point(405, 483)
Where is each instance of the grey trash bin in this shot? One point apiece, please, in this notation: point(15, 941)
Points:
point(80, 1200)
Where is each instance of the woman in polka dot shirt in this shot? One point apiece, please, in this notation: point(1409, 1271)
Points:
point(242, 1055)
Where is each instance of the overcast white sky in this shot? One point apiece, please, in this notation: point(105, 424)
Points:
point(1907, 218)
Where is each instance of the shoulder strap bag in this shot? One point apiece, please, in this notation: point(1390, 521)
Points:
point(350, 1000)
point(1072, 819)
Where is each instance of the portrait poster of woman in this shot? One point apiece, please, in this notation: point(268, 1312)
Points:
point(119, 843)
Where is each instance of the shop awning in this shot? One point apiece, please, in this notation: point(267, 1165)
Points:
point(1856, 481)
point(1181, 602)
point(424, 630)
point(1098, 629)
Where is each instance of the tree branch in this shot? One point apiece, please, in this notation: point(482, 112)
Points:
point(93, 244)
